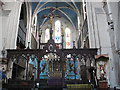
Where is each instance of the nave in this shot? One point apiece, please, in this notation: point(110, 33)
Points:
point(71, 44)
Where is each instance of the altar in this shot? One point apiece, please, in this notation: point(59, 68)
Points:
point(55, 74)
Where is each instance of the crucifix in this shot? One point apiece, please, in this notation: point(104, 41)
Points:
point(51, 31)
point(50, 16)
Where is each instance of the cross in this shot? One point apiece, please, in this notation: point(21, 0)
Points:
point(50, 16)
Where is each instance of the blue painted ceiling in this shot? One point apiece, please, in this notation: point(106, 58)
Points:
point(68, 10)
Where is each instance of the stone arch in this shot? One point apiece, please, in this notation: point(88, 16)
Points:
point(22, 26)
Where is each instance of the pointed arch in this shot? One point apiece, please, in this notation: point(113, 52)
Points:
point(67, 37)
point(57, 31)
point(47, 35)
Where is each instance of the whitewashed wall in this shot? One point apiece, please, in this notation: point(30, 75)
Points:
point(9, 20)
point(114, 15)
point(10, 23)
point(101, 37)
point(1, 47)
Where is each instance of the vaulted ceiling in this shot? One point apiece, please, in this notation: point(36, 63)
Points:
point(68, 10)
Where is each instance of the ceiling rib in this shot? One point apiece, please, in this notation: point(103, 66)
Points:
point(61, 12)
point(37, 6)
point(75, 9)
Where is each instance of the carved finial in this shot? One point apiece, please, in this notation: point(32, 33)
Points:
point(84, 44)
point(28, 45)
point(74, 45)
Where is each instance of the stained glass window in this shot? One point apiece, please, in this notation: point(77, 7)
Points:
point(47, 35)
point(57, 31)
point(67, 34)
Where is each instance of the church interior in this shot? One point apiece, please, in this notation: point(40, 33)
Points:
point(59, 45)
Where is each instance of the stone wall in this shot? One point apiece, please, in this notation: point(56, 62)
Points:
point(101, 35)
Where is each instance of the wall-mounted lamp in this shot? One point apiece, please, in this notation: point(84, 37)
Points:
point(111, 24)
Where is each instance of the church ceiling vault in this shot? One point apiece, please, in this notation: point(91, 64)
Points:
point(68, 10)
